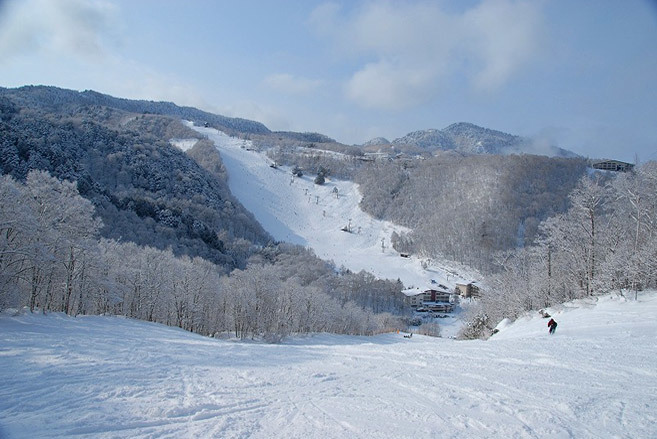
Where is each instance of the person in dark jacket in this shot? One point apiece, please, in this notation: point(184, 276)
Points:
point(552, 325)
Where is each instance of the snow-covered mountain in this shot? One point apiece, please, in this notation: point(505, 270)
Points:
point(426, 139)
point(54, 99)
point(468, 138)
point(474, 139)
point(109, 377)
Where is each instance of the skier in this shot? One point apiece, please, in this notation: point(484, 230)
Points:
point(552, 325)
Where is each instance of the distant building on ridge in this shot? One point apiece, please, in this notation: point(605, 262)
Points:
point(612, 165)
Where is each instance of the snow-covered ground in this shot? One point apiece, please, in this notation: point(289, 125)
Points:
point(183, 144)
point(298, 211)
point(108, 377)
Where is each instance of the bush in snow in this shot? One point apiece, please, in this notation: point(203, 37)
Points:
point(476, 328)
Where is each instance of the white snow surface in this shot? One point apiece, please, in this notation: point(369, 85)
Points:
point(183, 144)
point(298, 211)
point(110, 377)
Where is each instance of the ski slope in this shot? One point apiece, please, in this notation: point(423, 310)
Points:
point(109, 377)
point(298, 211)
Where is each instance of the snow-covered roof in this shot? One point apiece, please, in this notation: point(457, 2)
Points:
point(412, 292)
point(409, 292)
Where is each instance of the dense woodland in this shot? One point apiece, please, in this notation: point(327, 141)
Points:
point(605, 241)
point(56, 100)
point(144, 190)
point(53, 259)
point(100, 214)
point(467, 208)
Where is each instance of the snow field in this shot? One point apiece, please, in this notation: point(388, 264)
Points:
point(183, 144)
point(110, 377)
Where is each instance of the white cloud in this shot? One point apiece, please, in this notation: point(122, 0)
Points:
point(133, 80)
point(63, 26)
point(272, 117)
point(505, 35)
point(71, 43)
point(390, 85)
point(406, 52)
point(289, 84)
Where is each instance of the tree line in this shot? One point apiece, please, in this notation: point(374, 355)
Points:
point(53, 259)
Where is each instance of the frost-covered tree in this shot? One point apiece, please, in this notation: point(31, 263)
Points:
point(67, 220)
point(469, 208)
point(605, 241)
point(633, 222)
point(18, 229)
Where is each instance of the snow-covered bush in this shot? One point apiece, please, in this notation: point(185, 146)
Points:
point(475, 328)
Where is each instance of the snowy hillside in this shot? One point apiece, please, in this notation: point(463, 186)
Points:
point(298, 211)
point(109, 377)
point(469, 138)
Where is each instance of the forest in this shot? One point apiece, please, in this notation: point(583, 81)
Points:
point(605, 241)
point(52, 258)
point(145, 190)
point(467, 208)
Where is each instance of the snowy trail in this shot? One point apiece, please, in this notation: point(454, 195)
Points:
point(109, 377)
point(300, 212)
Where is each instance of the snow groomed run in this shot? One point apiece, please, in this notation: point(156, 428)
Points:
point(295, 210)
point(110, 377)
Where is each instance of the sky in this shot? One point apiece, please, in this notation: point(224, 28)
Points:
point(580, 75)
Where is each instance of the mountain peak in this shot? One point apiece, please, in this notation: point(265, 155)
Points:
point(469, 129)
point(462, 125)
point(430, 139)
point(377, 141)
point(468, 138)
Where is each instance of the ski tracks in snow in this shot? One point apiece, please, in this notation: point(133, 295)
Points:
point(108, 377)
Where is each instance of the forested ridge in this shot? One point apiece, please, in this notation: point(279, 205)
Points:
point(145, 190)
point(467, 208)
point(55, 100)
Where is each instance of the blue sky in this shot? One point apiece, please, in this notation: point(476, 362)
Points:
point(579, 74)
